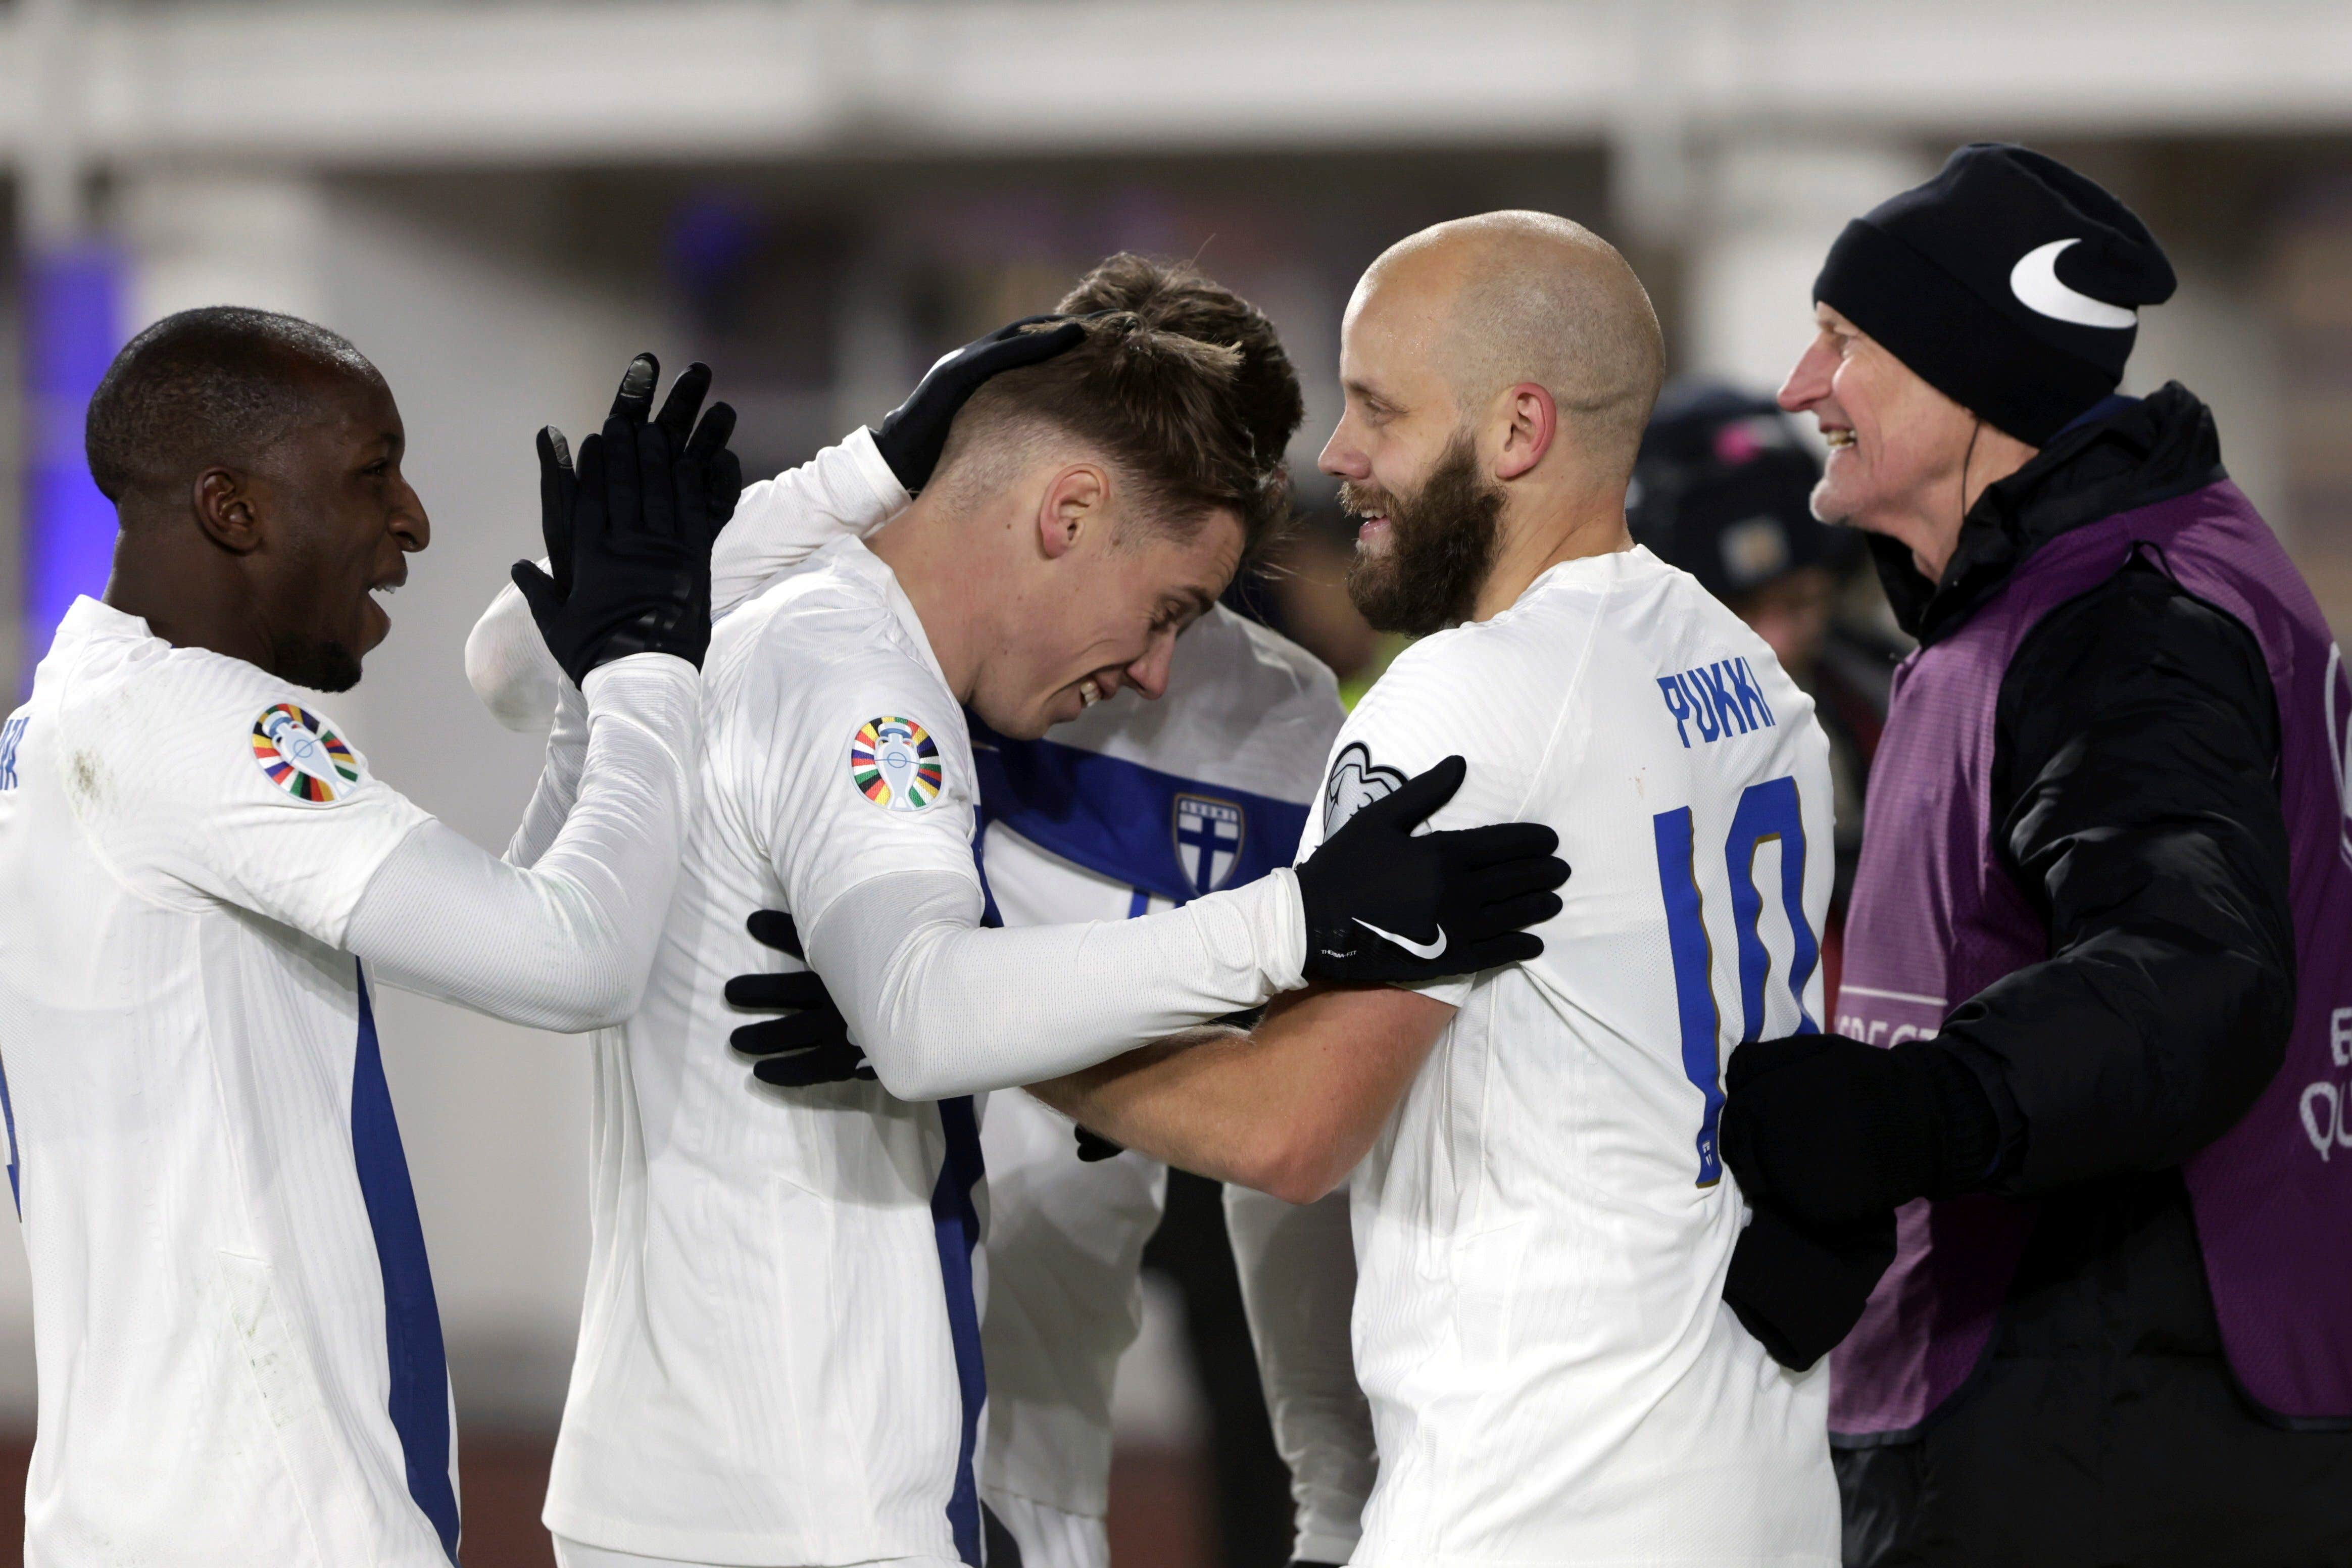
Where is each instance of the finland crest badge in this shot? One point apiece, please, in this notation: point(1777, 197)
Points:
point(1208, 840)
point(896, 764)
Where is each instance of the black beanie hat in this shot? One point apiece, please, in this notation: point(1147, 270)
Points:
point(1723, 490)
point(2009, 283)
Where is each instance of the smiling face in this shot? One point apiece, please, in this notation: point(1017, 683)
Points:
point(1409, 469)
point(1101, 613)
point(1898, 448)
point(338, 520)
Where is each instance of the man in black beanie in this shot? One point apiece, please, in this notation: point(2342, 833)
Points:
point(2095, 1029)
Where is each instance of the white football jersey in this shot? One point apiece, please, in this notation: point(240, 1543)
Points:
point(239, 1357)
point(1134, 808)
point(779, 1355)
point(1543, 1228)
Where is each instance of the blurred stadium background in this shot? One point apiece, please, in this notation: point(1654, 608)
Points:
point(500, 200)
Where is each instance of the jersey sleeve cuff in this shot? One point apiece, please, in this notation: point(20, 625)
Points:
point(865, 458)
point(1283, 931)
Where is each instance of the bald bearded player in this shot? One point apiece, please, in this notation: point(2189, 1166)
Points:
point(1541, 1226)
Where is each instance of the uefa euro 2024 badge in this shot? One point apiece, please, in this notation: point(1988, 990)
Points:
point(302, 756)
point(896, 764)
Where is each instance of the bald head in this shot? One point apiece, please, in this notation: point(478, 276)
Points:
point(1511, 298)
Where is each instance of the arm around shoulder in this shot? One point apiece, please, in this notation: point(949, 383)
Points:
point(1288, 1108)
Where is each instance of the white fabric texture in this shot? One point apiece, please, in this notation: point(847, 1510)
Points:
point(183, 837)
point(1541, 1234)
point(558, 779)
point(1297, 1269)
point(766, 1369)
point(1050, 1537)
point(845, 490)
point(951, 1007)
point(1247, 717)
point(563, 943)
point(573, 1555)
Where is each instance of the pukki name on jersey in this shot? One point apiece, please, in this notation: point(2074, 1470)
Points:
point(1713, 697)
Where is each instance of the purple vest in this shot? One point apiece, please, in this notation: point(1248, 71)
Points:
point(1935, 919)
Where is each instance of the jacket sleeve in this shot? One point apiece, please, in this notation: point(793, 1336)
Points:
point(2137, 797)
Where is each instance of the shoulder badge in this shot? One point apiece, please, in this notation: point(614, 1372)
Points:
point(1355, 783)
point(301, 754)
point(896, 764)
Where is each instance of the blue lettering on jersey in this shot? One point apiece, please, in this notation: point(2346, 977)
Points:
point(1717, 700)
point(11, 734)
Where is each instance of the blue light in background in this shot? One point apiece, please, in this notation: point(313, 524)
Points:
point(73, 312)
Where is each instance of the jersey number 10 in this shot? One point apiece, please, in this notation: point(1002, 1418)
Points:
point(1767, 811)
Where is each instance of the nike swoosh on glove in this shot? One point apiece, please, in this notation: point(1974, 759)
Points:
point(912, 435)
point(628, 535)
point(810, 1043)
point(1386, 905)
point(1801, 1289)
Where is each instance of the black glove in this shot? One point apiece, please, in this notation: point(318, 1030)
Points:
point(1833, 1131)
point(629, 534)
point(911, 435)
point(1801, 1289)
point(1386, 906)
point(810, 1044)
point(1094, 1147)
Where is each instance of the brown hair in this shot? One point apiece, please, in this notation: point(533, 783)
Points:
point(1181, 383)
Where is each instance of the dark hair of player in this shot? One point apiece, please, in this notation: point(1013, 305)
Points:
point(1181, 383)
point(213, 385)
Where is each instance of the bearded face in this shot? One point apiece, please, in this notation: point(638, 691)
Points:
point(1421, 572)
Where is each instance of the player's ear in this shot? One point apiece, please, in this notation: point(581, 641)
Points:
point(228, 509)
point(1530, 421)
point(1076, 500)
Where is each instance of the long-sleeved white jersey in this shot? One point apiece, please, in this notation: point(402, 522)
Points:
point(1135, 806)
point(240, 1360)
point(779, 1356)
point(1543, 1228)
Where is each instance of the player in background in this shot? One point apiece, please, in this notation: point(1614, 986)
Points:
point(1541, 1226)
point(1132, 807)
point(779, 1359)
point(239, 1355)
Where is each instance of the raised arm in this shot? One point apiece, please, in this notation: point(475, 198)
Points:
point(566, 941)
point(848, 490)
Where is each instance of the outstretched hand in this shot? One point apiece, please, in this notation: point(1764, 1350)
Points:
point(809, 1043)
point(1387, 905)
point(629, 531)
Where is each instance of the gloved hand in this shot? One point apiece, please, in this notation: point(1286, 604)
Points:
point(1801, 1289)
point(1384, 905)
point(911, 435)
point(810, 1043)
point(1834, 1132)
point(629, 534)
point(1093, 1147)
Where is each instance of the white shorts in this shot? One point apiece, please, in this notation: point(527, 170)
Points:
point(574, 1554)
point(1048, 1537)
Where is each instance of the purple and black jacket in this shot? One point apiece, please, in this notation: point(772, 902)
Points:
point(1942, 914)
